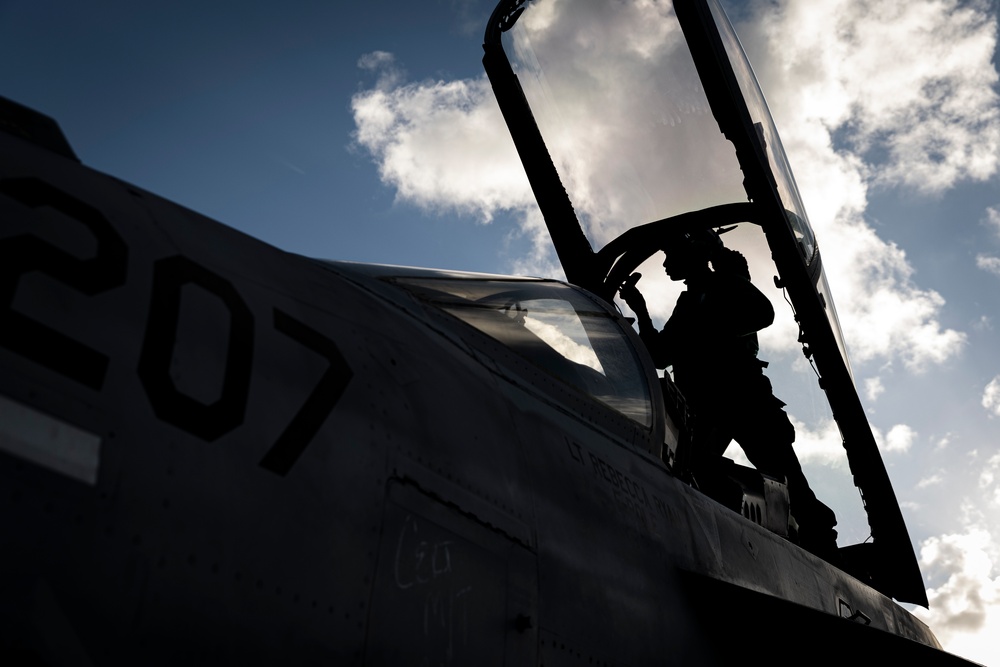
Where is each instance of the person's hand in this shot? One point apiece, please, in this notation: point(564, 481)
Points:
point(631, 295)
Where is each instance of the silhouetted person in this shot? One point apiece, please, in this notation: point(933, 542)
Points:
point(710, 341)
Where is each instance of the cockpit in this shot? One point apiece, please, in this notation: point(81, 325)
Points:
point(653, 127)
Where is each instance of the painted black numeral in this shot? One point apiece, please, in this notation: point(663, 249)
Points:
point(296, 437)
point(106, 270)
point(212, 421)
point(26, 253)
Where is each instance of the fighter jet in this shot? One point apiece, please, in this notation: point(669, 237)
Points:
point(216, 452)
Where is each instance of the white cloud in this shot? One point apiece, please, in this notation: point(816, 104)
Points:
point(933, 480)
point(900, 438)
point(989, 478)
point(991, 397)
point(910, 86)
point(440, 144)
point(823, 445)
point(736, 453)
point(874, 388)
point(992, 218)
point(988, 474)
point(897, 440)
point(874, 72)
point(965, 609)
point(988, 263)
point(820, 446)
point(943, 441)
point(376, 60)
point(884, 314)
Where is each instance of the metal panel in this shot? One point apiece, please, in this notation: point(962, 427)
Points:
point(448, 590)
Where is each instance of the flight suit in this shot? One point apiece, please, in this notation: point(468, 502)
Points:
point(711, 343)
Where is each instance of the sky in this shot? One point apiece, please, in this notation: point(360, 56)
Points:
point(367, 132)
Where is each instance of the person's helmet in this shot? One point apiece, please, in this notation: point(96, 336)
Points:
point(701, 244)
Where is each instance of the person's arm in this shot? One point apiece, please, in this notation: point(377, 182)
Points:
point(647, 332)
point(735, 307)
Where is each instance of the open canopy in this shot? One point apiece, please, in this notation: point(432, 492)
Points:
point(653, 119)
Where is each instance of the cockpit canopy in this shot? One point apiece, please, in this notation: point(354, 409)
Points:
point(637, 120)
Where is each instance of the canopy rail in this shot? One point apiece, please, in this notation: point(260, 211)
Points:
point(620, 257)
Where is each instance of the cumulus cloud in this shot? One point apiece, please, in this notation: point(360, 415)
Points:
point(822, 445)
point(866, 94)
point(735, 452)
point(883, 312)
point(965, 609)
point(897, 440)
point(989, 479)
point(874, 388)
point(992, 218)
point(911, 84)
point(943, 441)
point(933, 480)
point(991, 397)
point(988, 263)
point(900, 438)
point(845, 73)
point(441, 144)
point(379, 60)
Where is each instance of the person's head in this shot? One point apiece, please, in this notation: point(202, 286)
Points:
point(688, 254)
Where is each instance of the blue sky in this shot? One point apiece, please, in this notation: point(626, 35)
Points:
point(243, 113)
point(255, 114)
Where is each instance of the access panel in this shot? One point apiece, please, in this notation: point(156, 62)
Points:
point(448, 590)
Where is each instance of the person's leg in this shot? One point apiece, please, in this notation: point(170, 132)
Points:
point(766, 434)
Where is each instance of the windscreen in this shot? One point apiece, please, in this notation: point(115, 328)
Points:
point(556, 328)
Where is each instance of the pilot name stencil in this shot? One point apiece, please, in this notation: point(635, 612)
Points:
point(630, 496)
